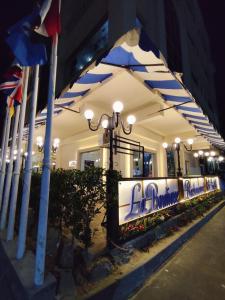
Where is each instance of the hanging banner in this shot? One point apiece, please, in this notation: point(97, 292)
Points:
point(138, 198)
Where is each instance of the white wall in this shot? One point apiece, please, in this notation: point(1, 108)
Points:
point(71, 148)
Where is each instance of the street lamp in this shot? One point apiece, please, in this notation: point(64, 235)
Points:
point(40, 144)
point(176, 145)
point(211, 157)
point(201, 153)
point(55, 145)
point(109, 123)
point(221, 158)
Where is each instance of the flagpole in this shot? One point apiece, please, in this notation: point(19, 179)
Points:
point(3, 166)
point(16, 172)
point(45, 179)
point(9, 170)
point(4, 134)
point(27, 177)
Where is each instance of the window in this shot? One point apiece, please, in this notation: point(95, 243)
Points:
point(148, 164)
point(143, 168)
point(90, 159)
point(137, 164)
point(171, 168)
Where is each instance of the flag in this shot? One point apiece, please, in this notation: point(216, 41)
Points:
point(50, 19)
point(11, 88)
point(19, 39)
point(22, 39)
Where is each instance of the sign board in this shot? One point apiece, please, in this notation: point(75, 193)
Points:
point(193, 187)
point(199, 185)
point(212, 183)
point(138, 198)
point(141, 197)
point(72, 163)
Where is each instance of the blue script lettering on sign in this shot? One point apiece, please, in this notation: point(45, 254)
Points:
point(211, 184)
point(190, 190)
point(141, 206)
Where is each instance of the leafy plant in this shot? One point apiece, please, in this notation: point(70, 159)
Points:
point(74, 200)
point(187, 211)
point(88, 198)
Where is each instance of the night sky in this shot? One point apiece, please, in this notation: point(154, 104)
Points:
point(214, 16)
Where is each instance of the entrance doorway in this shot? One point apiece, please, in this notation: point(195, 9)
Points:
point(143, 166)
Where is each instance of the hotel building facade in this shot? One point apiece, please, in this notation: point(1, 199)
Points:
point(154, 57)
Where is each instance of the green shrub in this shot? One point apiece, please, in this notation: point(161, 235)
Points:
point(74, 200)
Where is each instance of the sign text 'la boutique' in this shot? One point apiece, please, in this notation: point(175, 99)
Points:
point(138, 198)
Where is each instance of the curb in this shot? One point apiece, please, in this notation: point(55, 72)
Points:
point(129, 283)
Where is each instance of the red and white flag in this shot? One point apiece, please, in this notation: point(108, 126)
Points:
point(50, 18)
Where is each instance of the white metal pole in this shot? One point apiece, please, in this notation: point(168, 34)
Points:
point(45, 179)
point(16, 172)
point(3, 167)
point(4, 134)
point(9, 170)
point(27, 176)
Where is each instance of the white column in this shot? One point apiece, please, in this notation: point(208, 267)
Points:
point(16, 172)
point(9, 171)
point(27, 176)
point(4, 134)
point(46, 170)
point(3, 166)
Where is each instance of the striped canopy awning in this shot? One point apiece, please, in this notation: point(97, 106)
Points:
point(147, 65)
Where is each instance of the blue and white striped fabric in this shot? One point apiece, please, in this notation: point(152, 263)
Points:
point(83, 85)
point(151, 69)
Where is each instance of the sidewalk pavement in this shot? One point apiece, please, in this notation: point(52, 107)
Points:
point(196, 271)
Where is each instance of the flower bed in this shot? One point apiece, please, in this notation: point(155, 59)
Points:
point(187, 211)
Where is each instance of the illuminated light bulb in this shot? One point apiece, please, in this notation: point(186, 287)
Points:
point(210, 158)
point(118, 106)
point(221, 158)
point(39, 141)
point(165, 145)
point(105, 123)
point(89, 114)
point(206, 153)
point(25, 154)
point(196, 155)
point(15, 152)
point(190, 141)
point(131, 119)
point(177, 140)
point(56, 143)
point(200, 152)
point(212, 153)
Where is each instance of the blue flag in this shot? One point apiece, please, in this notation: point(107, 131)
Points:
point(20, 40)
